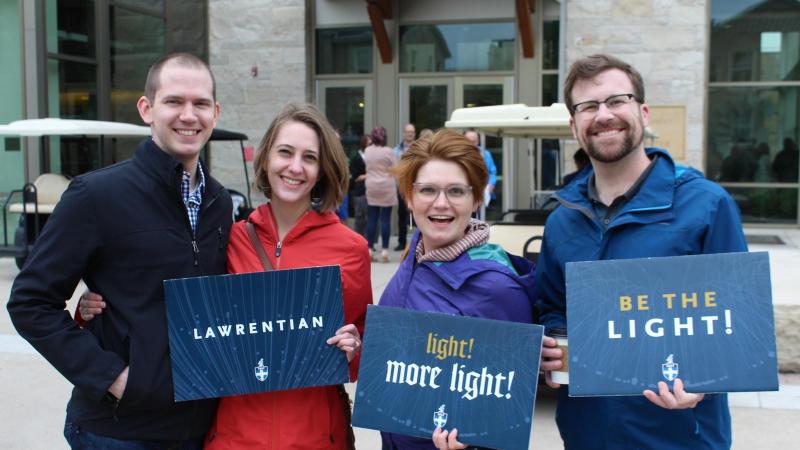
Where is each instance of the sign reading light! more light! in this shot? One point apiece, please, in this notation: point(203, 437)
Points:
point(423, 370)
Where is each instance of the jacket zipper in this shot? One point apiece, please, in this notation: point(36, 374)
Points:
point(278, 254)
point(192, 234)
point(116, 407)
point(196, 251)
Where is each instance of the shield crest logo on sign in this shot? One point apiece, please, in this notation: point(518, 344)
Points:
point(669, 369)
point(440, 417)
point(261, 371)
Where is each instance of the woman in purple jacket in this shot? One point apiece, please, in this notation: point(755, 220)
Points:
point(450, 267)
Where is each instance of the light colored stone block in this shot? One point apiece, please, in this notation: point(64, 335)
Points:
point(787, 327)
point(632, 8)
point(268, 34)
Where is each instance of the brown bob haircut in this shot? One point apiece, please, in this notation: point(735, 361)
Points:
point(182, 60)
point(444, 145)
point(333, 173)
point(591, 66)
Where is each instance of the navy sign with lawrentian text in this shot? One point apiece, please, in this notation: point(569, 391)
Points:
point(255, 332)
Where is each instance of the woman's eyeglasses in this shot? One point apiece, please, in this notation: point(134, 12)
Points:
point(455, 193)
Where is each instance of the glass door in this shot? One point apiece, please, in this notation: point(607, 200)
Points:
point(425, 102)
point(348, 106)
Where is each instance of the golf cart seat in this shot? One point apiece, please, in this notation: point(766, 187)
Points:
point(518, 239)
point(49, 187)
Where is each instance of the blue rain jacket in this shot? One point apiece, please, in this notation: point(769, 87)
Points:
point(676, 212)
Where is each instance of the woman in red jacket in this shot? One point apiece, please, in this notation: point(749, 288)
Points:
point(302, 169)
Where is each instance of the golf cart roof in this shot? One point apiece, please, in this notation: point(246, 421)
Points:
point(71, 127)
point(76, 127)
point(515, 120)
point(519, 120)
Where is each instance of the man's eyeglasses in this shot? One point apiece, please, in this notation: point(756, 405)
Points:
point(455, 193)
point(613, 103)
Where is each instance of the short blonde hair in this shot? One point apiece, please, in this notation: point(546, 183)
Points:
point(333, 172)
point(444, 145)
point(425, 133)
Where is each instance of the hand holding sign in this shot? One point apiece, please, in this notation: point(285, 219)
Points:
point(447, 441)
point(348, 341)
point(679, 399)
point(551, 360)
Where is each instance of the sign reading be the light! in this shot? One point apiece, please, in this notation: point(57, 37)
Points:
point(706, 319)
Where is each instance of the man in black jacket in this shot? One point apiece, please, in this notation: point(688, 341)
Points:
point(123, 230)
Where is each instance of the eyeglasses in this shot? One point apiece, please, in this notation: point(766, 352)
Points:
point(613, 103)
point(455, 193)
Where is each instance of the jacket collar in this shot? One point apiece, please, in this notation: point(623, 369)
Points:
point(455, 273)
point(653, 202)
point(264, 220)
point(167, 169)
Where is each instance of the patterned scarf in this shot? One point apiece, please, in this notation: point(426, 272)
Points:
point(477, 233)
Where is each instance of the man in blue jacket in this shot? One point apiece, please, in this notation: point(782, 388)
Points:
point(409, 135)
point(473, 138)
point(634, 202)
point(123, 230)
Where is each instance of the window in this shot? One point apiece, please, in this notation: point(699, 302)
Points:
point(85, 81)
point(137, 40)
point(754, 106)
point(550, 58)
point(469, 47)
point(344, 50)
point(755, 41)
point(344, 106)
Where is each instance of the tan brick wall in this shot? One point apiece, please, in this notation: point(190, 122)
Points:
point(665, 40)
point(270, 34)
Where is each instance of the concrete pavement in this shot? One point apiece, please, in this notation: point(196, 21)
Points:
point(35, 395)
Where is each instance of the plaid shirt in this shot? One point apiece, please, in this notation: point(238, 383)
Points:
point(193, 199)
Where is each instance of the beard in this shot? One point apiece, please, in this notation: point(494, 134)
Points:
point(612, 155)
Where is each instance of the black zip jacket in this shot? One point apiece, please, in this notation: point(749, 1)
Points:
point(123, 230)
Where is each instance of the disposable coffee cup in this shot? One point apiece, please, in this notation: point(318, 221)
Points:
point(560, 376)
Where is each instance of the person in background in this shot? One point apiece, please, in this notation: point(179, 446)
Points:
point(358, 190)
point(409, 134)
point(581, 160)
point(381, 190)
point(475, 140)
point(634, 202)
point(450, 267)
point(785, 164)
point(425, 133)
point(342, 211)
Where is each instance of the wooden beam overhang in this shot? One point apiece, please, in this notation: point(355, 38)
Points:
point(524, 10)
point(378, 11)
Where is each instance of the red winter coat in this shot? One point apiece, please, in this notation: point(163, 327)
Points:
point(309, 418)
